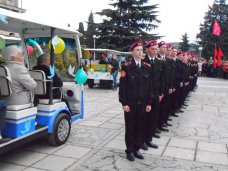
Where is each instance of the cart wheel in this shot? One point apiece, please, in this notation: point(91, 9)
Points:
point(61, 130)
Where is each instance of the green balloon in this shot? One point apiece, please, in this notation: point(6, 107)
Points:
point(92, 70)
point(2, 43)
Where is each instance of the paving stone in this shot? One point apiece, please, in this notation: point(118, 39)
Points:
point(25, 158)
point(223, 109)
point(161, 141)
point(212, 157)
point(72, 151)
point(182, 143)
point(55, 163)
point(111, 125)
point(32, 169)
point(210, 108)
point(220, 148)
point(92, 136)
point(42, 147)
point(10, 167)
point(116, 144)
point(117, 121)
point(91, 123)
point(180, 153)
point(107, 115)
point(152, 151)
point(99, 119)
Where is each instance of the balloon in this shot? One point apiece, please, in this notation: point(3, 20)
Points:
point(59, 45)
point(2, 43)
point(91, 70)
point(81, 76)
point(103, 69)
point(29, 50)
point(35, 44)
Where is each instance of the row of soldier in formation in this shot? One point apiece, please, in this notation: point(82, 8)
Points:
point(152, 89)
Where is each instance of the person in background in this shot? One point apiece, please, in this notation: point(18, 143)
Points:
point(200, 68)
point(43, 63)
point(114, 70)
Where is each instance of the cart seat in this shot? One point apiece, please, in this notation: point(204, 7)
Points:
point(5, 88)
point(40, 77)
point(5, 79)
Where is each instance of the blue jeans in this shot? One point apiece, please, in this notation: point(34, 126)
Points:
point(3, 106)
point(114, 74)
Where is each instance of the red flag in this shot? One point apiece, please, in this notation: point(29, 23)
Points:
point(215, 56)
point(220, 54)
point(216, 28)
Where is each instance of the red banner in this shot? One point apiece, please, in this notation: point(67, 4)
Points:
point(216, 28)
point(220, 54)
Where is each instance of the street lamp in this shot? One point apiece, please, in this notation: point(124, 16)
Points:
point(94, 45)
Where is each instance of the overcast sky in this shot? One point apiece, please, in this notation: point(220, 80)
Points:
point(177, 16)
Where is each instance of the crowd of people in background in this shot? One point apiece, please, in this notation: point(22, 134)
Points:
point(208, 69)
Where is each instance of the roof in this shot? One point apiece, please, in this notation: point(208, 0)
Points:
point(17, 23)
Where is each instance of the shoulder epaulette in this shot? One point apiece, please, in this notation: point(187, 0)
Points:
point(146, 64)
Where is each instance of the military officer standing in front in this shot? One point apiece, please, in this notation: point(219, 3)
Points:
point(135, 97)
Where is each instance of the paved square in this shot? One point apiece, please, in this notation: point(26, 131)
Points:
point(180, 153)
point(197, 141)
point(56, 163)
point(182, 143)
point(212, 157)
point(219, 148)
point(72, 151)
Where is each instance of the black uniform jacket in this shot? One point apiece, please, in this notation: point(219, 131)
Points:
point(135, 84)
point(156, 73)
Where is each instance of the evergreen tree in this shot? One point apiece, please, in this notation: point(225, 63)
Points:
point(81, 30)
point(184, 45)
point(90, 31)
point(129, 21)
point(219, 11)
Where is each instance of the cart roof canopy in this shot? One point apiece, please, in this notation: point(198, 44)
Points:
point(110, 51)
point(17, 23)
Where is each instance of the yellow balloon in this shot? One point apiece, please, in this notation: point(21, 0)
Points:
point(59, 48)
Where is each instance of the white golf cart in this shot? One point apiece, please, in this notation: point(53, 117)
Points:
point(52, 117)
point(99, 73)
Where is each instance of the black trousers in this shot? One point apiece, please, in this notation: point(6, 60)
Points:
point(134, 127)
point(164, 111)
point(151, 119)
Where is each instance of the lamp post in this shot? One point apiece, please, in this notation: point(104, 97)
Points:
point(94, 45)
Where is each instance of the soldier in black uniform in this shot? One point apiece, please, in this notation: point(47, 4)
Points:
point(135, 97)
point(164, 110)
point(152, 117)
point(179, 82)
